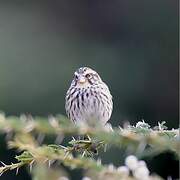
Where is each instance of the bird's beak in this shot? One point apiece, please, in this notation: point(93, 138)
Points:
point(81, 80)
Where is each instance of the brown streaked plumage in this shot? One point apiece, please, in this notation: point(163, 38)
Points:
point(88, 99)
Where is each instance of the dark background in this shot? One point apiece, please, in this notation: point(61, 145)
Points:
point(133, 45)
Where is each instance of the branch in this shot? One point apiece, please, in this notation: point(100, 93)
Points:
point(135, 139)
point(46, 154)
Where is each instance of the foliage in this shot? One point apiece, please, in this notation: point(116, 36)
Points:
point(26, 134)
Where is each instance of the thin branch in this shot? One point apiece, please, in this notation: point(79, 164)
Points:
point(131, 137)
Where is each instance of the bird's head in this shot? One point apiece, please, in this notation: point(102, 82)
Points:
point(86, 76)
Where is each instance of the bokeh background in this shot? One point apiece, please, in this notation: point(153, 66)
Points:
point(132, 44)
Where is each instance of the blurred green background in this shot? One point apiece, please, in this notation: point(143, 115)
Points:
point(133, 45)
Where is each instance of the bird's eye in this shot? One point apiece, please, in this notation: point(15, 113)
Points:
point(88, 76)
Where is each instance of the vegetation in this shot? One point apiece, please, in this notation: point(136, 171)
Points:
point(26, 134)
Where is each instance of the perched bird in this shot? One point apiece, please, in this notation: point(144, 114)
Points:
point(88, 99)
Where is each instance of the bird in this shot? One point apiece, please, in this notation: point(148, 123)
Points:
point(88, 99)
